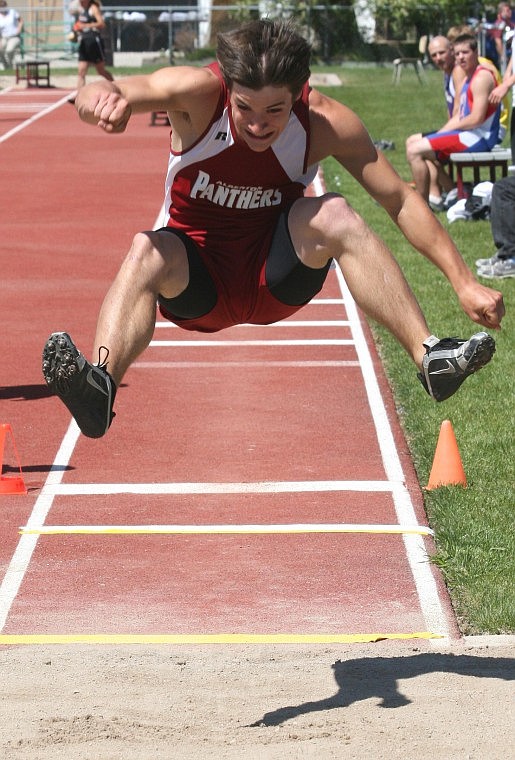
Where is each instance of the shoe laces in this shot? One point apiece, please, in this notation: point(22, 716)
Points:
point(102, 364)
point(452, 342)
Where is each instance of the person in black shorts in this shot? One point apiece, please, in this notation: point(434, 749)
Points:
point(88, 26)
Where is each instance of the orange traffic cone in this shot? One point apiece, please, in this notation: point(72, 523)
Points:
point(10, 484)
point(447, 469)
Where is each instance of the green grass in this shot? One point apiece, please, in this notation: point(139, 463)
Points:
point(474, 525)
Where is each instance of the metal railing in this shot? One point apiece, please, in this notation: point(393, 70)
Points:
point(176, 30)
point(336, 31)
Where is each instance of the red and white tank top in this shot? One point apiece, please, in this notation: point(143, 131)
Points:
point(228, 197)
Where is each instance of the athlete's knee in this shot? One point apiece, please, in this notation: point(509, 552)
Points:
point(157, 258)
point(338, 219)
point(416, 149)
point(143, 249)
point(411, 140)
point(322, 227)
point(332, 213)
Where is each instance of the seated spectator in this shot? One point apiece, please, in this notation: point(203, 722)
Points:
point(452, 34)
point(441, 53)
point(474, 128)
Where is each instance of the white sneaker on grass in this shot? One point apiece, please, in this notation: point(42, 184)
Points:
point(499, 269)
point(487, 262)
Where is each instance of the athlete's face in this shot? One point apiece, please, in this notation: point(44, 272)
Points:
point(260, 115)
point(465, 57)
point(442, 56)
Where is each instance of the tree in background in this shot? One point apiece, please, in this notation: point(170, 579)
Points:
point(409, 19)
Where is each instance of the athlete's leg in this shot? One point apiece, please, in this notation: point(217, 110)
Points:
point(327, 227)
point(156, 264)
point(418, 154)
point(435, 189)
point(103, 72)
point(81, 75)
point(323, 228)
point(444, 178)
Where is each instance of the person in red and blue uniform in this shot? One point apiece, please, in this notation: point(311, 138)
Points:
point(474, 128)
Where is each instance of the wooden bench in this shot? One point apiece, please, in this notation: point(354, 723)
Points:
point(496, 160)
point(33, 72)
point(159, 118)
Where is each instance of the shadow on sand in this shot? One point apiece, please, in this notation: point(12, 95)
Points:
point(368, 677)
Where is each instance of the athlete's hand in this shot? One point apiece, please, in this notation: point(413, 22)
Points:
point(483, 305)
point(498, 93)
point(108, 109)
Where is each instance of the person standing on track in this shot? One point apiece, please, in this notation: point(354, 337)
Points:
point(11, 27)
point(88, 26)
point(242, 243)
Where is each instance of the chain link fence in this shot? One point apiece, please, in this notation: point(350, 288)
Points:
point(174, 32)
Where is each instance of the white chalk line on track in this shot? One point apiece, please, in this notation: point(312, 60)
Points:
point(39, 115)
point(276, 486)
point(225, 343)
point(21, 558)
point(430, 602)
point(21, 107)
point(284, 323)
point(427, 590)
point(221, 364)
point(431, 606)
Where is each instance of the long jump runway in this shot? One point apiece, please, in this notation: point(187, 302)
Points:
point(254, 486)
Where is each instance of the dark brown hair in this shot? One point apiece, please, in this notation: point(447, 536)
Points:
point(265, 53)
point(469, 39)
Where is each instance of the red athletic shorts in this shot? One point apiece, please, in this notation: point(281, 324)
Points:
point(458, 141)
point(268, 288)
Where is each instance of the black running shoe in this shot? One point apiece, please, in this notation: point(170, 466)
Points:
point(86, 389)
point(448, 362)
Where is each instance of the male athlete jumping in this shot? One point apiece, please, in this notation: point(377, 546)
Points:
point(242, 243)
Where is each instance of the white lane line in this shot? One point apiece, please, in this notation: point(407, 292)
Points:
point(220, 343)
point(429, 598)
point(284, 323)
point(308, 486)
point(21, 107)
point(221, 364)
point(34, 118)
point(21, 558)
point(425, 583)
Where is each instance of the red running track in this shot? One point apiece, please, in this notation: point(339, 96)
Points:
point(254, 486)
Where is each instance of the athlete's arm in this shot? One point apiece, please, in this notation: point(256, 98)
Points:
point(481, 87)
point(458, 78)
point(337, 131)
point(500, 92)
point(190, 90)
